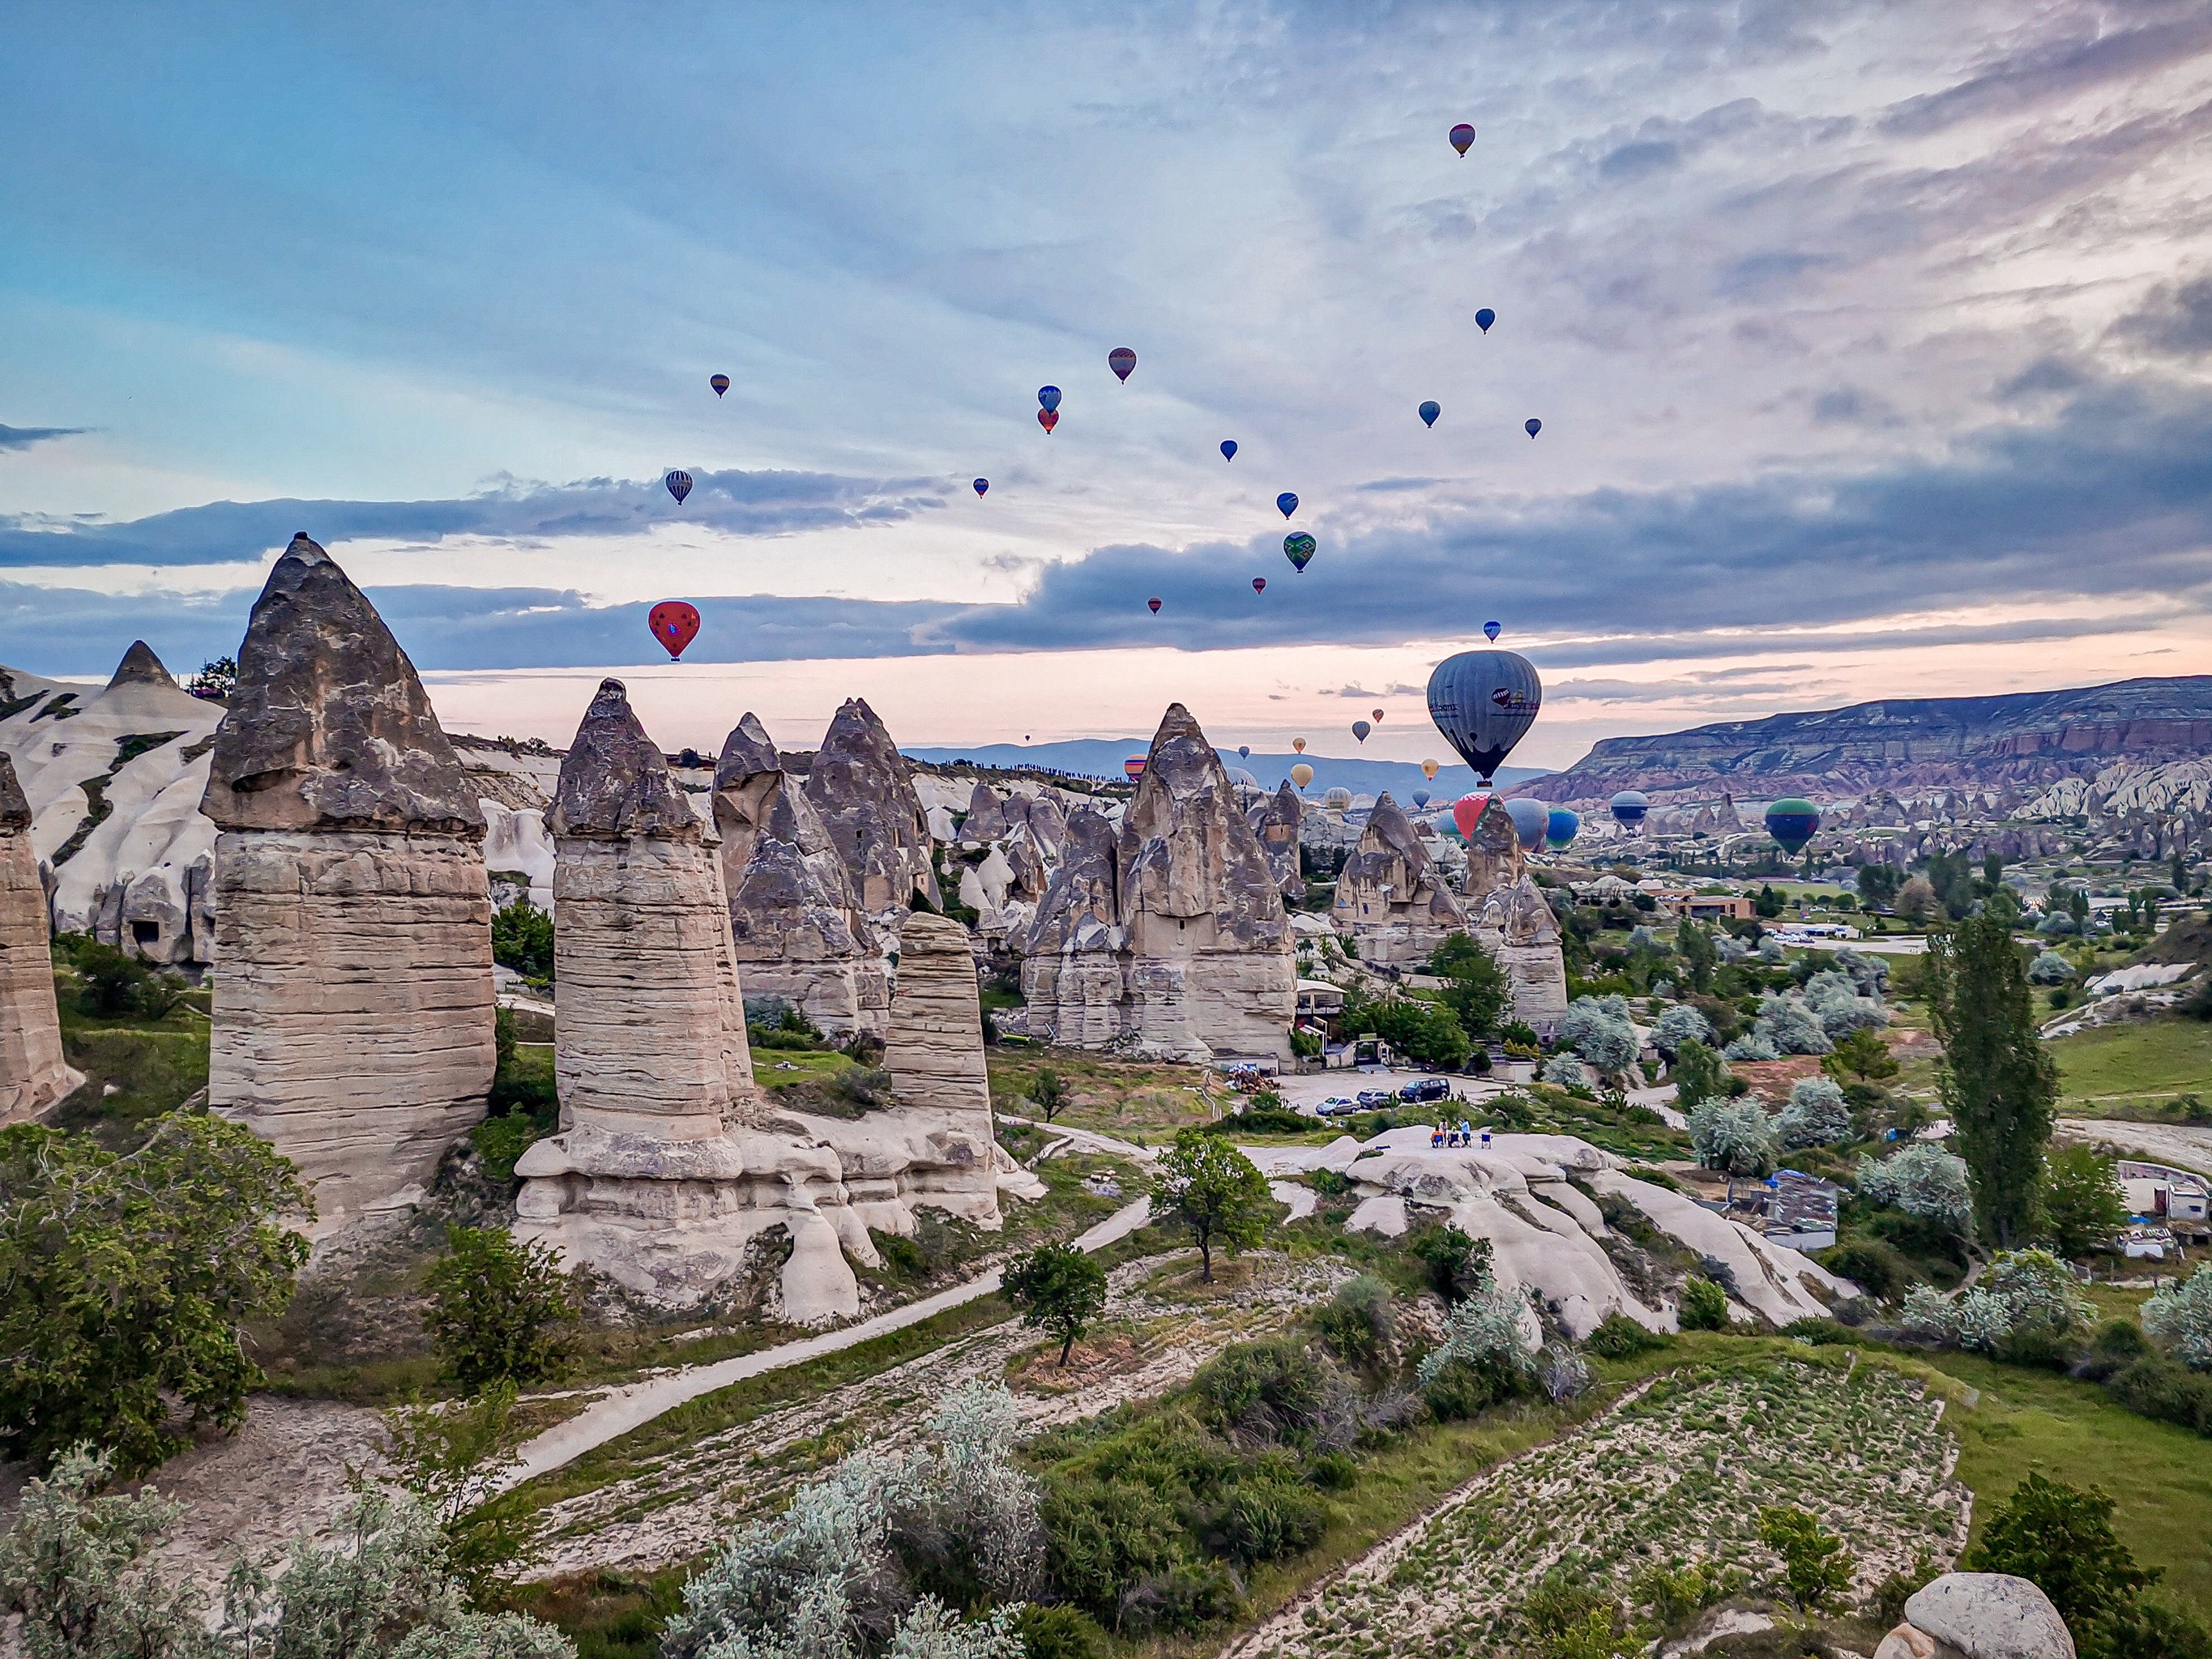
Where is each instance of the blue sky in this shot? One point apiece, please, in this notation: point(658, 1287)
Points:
point(1871, 344)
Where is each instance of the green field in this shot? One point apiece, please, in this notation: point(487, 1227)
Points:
point(2119, 1065)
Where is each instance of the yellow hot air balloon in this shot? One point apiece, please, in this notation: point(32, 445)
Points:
point(1298, 744)
point(1429, 769)
point(1301, 774)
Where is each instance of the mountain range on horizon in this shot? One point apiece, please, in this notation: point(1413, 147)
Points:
point(1101, 757)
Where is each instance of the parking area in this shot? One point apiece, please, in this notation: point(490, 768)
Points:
point(1306, 1093)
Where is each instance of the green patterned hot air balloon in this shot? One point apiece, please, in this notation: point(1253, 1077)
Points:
point(1298, 548)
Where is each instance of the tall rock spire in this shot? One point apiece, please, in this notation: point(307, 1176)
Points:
point(33, 1075)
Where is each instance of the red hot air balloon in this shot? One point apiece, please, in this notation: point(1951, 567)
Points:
point(1259, 584)
point(1122, 361)
point(674, 624)
point(1154, 605)
point(720, 382)
point(1047, 418)
point(1466, 812)
point(1133, 768)
point(1462, 136)
point(1378, 717)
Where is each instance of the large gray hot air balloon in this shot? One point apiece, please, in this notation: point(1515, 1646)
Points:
point(1484, 702)
point(1629, 807)
point(1531, 818)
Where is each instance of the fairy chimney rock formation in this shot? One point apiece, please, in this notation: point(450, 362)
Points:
point(33, 1075)
point(1276, 822)
point(1390, 896)
point(650, 1033)
point(1072, 967)
point(353, 1007)
point(987, 816)
point(863, 791)
point(794, 919)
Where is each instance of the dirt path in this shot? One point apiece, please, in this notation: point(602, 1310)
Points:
point(671, 1508)
point(638, 1403)
point(2185, 1145)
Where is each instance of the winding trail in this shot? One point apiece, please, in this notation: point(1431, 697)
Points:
point(634, 1404)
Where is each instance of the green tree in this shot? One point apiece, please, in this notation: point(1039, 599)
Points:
point(1998, 1082)
point(125, 1280)
point(1878, 884)
point(2082, 1203)
point(1694, 944)
point(1213, 1189)
point(1700, 1073)
point(2060, 1539)
point(1427, 1033)
point(1861, 1055)
point(452, 1457)
point(1056, 1288)
point(500, 1311)
point(522, 940)
point(1458, 1264)
point(1476, 989)
point(1704, 1307)
point(70, 1565)
point(1766, 903)
point(1050, 1091)
point(1816, 1568)
point(217, 679)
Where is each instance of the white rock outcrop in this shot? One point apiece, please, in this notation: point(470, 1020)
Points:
point(1390, 896)
point(34, 1074)
point(353, 1005)
point(1979, 1615)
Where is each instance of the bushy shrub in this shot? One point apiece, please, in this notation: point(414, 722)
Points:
point(1875, 1267)
point(115, 984)
point(1567, 1070)
point(1923, 1180)
point(1620, 1337)
point(1601, 1031)
point(2048, 967)
point(501, 1311)
point(1456, 1263)
point(1679, 1024)
point(1792, 1026)
point(1704, 1307)
point(2155, 1387)
point(2180, 1316)
point(1752, 1046)
point(1360, 1323)
point(1734, 1137)
point(1262, 1391)
point(1817, 1115)
point(1481, 1357)
point(522, 940)
point(1049, 1630)
point(2025, 1306)
point(1835, 1001)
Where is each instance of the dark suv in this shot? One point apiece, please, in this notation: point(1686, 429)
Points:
point(1429, 1088)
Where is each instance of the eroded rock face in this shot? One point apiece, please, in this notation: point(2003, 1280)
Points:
point(1516, 926)
point(1071, 968)
point(795, 921)
point(353, 1008)
point(33, 1075)
point(1276, 823)
point(1391, 898)
point(1979, 1615)
point(863, 789)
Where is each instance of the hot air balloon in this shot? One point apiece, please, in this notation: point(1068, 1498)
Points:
point(1122, 360)
point(1301, 774)
point(1134, 767)
point(1153, 605)
point(1244, 751)
point(1429, 770)
point(1430, 410)
point(981, 485)
point(1300, 548)
point(1629, 806)
point(1337, 798)
point(1360, 729)
point(1420, 799)
point(674, 624)
point(1462, 136)
point(1229, 449)
point(1562, 827)
point(1466, 812)
point(1298, 744)
point(1484, 318)
point(679, 485)
point(1378, 717)
point(1048, 397)
point(1484, 702)
point(1531, 819)
point(1288, 502)
point(1491, 630)
point(1259, 584)
point(1532, 426)
point(1793, 823)
point(720, 382)
point(1047, 418)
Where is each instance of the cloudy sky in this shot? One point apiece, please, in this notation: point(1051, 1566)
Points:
point(1872, 345)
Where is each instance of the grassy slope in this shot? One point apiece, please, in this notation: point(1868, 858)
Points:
point(2114, 1065)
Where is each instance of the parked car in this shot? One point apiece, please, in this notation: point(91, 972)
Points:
point(1372, 1098)
point(1336, 1106)
point(1429, 1088)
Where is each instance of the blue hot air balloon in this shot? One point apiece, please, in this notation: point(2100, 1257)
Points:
point(1563, 825)
point(679, 485)
point(1048, 397)
point(1244, 751)
point(1484, 702)
point(1531, 818)
point(1430, 410)
point(1360, 729)
point(1532, 426)
point(1420, 799)
point(1793, 823)
point(982, 484)
point(1229, 449)
point(1484, 318)
point(1491, 630)
point(1288, 502)
point(1629, 807)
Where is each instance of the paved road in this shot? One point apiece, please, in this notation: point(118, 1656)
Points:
point(627, 1407)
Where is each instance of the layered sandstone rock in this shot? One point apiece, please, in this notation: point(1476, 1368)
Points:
point(1391, 898)
point(33, 1075)
point(1276, 822)
point(353, 1005)
point(864, 790)
point(1072, 966)
point(1507, 912)
point(796, 923)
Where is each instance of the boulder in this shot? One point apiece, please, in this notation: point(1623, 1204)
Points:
point(794, 919)
point(1391, 898)
point(33, 1075)
point(352, 1025)
point(863, 789)
point(1276, 822)
point(987, 818)
point(1979, 1615)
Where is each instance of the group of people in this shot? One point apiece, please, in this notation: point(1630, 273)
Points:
point(1447, 1135)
